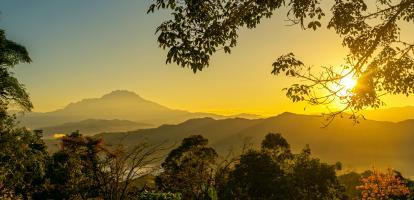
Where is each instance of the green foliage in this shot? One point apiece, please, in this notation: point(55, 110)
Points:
point(158, 196)
point(188, 169)
point(210, 193)
point(23, 157)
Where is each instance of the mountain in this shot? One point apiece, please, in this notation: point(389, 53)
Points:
point(92, 127)
point(118, 104)
point(358, 147)
point(395, 114)
point(245, 116)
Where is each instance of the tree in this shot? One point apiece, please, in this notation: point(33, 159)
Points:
point(383, 186)
point(23, 157)
point(158, 196)
point(378, 58)
point(128, 164)
point(275, 173)
point(256, 176)
point(86, 168)
point(350, 181)
point(277, 146)
point(188, 169)
point(11, 91)
point(76, 170)
point(312, 179)
point(22, 152)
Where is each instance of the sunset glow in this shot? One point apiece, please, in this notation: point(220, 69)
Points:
point(345, 86)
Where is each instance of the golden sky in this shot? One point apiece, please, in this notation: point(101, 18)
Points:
point(84, 49)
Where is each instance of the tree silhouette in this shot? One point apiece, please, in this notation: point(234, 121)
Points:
point(378, 58)
point(277, 146)
point(188, 169)
point(256, 176)
point(76, 170)
point(86, 168)
point(11, 91)
point(276, 173)
point(312, 179)
point(23, 153)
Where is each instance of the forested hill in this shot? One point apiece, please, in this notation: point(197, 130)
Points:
point(360, 146)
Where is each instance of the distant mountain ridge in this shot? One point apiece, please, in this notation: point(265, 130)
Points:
point(383, 144)
point(395, 114)
point(119, 104)
point(127, 105)
point(90, 127)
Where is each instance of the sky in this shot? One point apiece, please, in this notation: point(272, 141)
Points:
point(85, 49)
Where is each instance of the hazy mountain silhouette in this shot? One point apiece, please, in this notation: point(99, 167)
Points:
point(92, 127)
point(118, 104)
point(358, 146)
point(126, 105)
point(395, 114)
point(246, 116)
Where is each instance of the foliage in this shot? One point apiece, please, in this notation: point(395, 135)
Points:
point(127, 165)
point(23, 157)
point(158, 196)
point(256, 176)
point(200, 28)
point(11, 91)
point(275, 173)
point(188, 169)
point(23, 154)
point(277, 147)
point(383, 186)
point(409, 184)
point(75, 170)
point(312, 179)
point(85, 168)
point(350, 181)
point(381, 61)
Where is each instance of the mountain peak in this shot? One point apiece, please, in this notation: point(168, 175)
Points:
point(286, 114)
point(121, 94)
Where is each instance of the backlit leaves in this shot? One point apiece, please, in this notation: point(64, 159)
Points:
point(198, 29)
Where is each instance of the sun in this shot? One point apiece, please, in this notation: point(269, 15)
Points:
point(346, 84)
